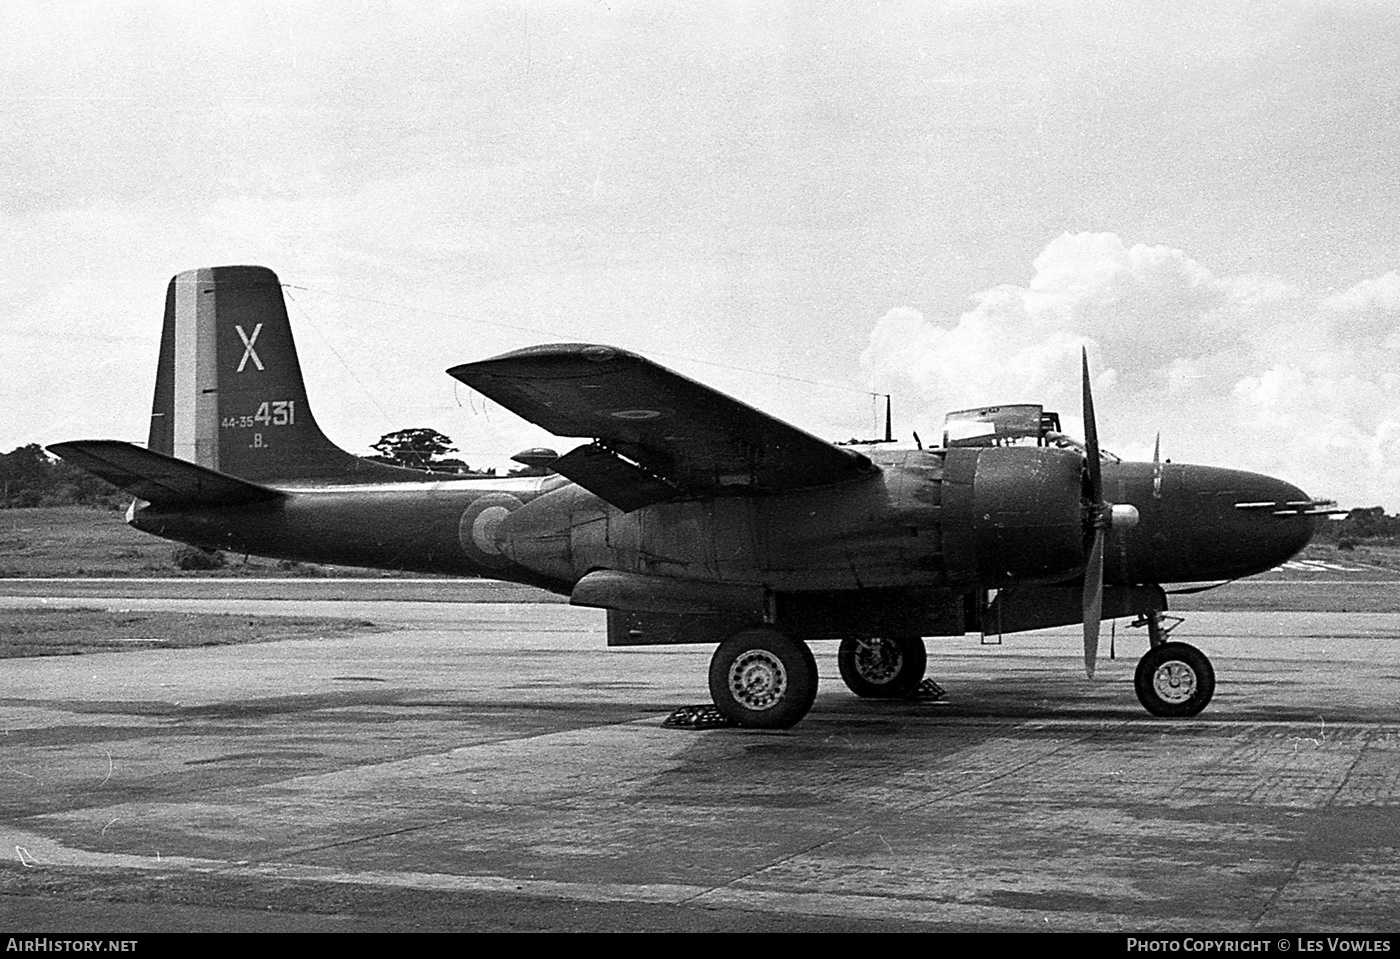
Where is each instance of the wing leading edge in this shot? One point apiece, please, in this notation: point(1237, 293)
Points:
point(656, 435)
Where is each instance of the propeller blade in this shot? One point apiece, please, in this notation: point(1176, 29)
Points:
point(1093, 569)
point(1157, 467)
point(1093, 603)
point(1091, 437)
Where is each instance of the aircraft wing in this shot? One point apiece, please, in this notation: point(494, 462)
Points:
point(657, 435)
point(157, 478)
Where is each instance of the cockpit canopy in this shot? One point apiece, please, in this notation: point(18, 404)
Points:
point(1013, 424)
point(1000, 425)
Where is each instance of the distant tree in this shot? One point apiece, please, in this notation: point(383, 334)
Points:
point(415, 448)
point(1360, 525)
point(454, 465)
point(24, 476)
point(70, 485)
point(29, 476)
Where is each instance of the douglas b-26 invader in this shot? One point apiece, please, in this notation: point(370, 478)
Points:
point(694, 518)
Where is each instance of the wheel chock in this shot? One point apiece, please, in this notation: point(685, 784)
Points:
point(927, 691)
point(707, 716)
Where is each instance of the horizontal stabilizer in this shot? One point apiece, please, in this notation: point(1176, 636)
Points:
point(157, 478)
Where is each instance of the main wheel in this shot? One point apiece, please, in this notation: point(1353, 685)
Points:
point(882, 667)
point(762, 679)
point(1174, 679)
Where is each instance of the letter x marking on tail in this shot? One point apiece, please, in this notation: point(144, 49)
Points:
point(248, 351)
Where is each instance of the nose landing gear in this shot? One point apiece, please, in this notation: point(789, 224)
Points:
point(1172, 679)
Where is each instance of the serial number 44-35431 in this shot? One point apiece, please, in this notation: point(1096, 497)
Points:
point(273, 413)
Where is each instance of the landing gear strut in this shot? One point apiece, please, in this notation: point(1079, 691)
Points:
point(882, 667)
point(1159, 626)
point(1174, 679)
point(763, 679)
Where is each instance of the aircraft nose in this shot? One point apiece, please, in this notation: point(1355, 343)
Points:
point(1233, 523)
point(1279, 518)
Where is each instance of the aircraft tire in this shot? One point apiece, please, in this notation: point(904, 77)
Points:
point(1174, 680)
point(882, 667)
point(762, 679)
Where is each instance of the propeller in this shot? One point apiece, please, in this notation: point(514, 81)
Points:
point(1100, 516)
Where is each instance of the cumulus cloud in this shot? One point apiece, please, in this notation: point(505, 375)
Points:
point(1248, 371)
point(1382, 293)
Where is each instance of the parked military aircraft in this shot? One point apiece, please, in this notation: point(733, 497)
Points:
point(694, 518)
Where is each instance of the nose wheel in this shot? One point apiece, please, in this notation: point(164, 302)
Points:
point(1174, 680)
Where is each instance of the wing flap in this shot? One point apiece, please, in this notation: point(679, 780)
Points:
point(674, 430)
point(157, 478)
point(613, 478)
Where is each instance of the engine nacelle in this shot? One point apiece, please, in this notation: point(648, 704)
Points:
point(1012, 512)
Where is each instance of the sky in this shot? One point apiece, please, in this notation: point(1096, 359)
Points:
point(794, 203)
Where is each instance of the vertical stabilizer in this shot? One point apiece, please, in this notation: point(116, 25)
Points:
point(229, 393)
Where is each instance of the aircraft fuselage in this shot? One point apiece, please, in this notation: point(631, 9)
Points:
point(958, 519)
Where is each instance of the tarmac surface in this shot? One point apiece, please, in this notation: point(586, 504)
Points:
point(492, 765)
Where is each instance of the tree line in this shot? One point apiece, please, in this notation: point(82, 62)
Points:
point(1369, 524)
point(29, 476)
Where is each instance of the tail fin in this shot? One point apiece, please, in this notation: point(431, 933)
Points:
point(229, 393)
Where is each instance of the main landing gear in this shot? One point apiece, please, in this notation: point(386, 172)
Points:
point(1172, 679)
point(882, 667)
point(763, 679)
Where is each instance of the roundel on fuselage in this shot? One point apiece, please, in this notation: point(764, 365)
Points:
point(476, 530)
